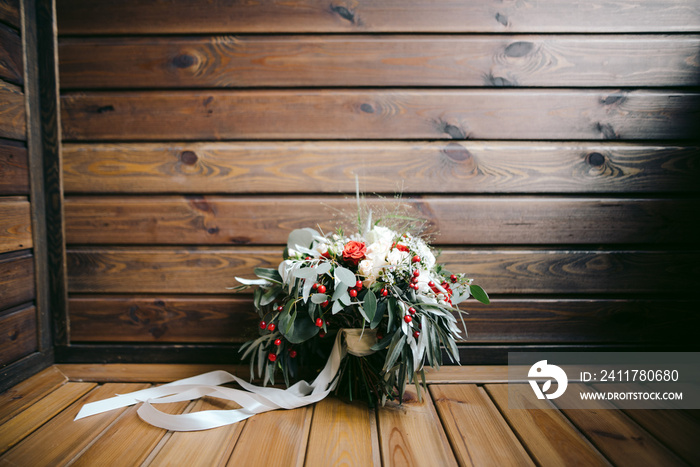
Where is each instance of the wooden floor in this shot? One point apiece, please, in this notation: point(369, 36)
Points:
point(465, 421)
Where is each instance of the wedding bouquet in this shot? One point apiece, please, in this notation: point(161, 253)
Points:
point(381, 288)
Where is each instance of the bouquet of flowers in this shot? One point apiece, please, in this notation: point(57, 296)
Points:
point(380, 287)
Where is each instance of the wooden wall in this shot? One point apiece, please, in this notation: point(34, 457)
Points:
point(552, 145)
point(25, 328)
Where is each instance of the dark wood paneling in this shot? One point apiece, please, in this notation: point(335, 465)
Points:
point(450, 220)
point(178, 16)
point(205, 270)
point(12, 113)
point(14, 168)
point(161, 319)
point(580, 321)
point(380, 114)
point(205, 319)
point(16, 279)
point(431, 167)
point(45, 162)
point(9, 13)
point(285, 61)
point(15, 224)
point(18, 331)
point(11, 64)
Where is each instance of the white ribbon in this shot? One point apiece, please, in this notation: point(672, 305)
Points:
point(253, 399)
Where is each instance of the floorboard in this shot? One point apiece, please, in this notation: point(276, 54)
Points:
point(463, 419)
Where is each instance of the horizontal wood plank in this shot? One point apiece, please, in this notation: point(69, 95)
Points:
point(268, 220)
point(129, 441)
point(16, 279)
point(410, 433)
point(154, 17)
point(141, 373)
point(62, 438)
point(12, 112)
point(340, 434)
point(14, 168)
point(478, 433)
point(615, 435)
point(15, 224)
point(201, 448)
point(557, 114)
point(9, 13)
point(162, 319)
point(449, 61)
point(33, 417)
point(19, 335)
point(28, 392)
point(11, 63)
point(202, 270)
point(288, 430)
point(547, 434)
point(505, 320)
point(431, 167)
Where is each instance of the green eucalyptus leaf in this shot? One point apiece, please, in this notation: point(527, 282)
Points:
point(319, 298)
point(268, 274)
point(346, 276)
point(370, 305)
point(379, 314)
point(270, 295)
point(305, 273)
point(301, 237)
point(301, 329)
point(479, 294)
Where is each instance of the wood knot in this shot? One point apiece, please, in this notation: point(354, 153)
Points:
point(502, 19)
point(453, 131)
point(343, 12)
point(14, 335)
point(213, 230)
point(104, 109)
point(188, 157)
point(367, 108)
point(519, 49)
point(595, 159)
point(456, 152)
point(184, 61)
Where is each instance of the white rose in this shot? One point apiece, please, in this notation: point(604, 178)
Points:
point(322, 248)
point(366, 270)
point(396, 256)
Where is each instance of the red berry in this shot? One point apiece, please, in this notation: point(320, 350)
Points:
point(380, 336)
point(324, 304)
point(412, 310)
point(416, 273)
point(321, 334)
point(453, 278)
point(271, 327)
point(407, 318)
point(416, 259)
point(358, 285)
point(280, 308)
point(263, 324)
point(321, 289)
point(278, 341)
point(272, 357)
point(328, 323)
point(314, 287)
point(416, 334)
point(385, 292)
point(352, 293)
point(319, 322)
point(431, 284)
point(292, 353)
point(308, 258)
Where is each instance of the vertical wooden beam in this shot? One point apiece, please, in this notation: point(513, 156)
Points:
point(43, 143)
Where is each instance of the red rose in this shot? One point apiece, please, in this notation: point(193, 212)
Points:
point(354, 252)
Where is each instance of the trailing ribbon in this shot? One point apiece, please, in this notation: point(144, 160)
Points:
point(253, 399)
